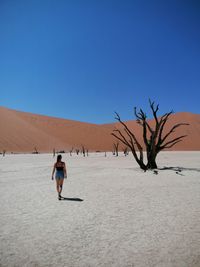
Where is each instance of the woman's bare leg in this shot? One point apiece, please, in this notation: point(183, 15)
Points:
point(58, 186)
point(61, 185)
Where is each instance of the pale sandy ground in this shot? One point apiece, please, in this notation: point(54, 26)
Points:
point(127, 217)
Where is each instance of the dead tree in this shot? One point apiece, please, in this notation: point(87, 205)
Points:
point(77, 151)
point(83, 150)
point(35, 150)
point(153, 137)
point(116, 149)
point(125, 151)
point(70, 152)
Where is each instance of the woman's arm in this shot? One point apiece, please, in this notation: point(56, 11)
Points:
point(54, 167)
point(65, 171)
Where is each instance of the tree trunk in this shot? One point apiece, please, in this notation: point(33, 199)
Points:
point(142, 166)
point(140, 162)
point(152, 162)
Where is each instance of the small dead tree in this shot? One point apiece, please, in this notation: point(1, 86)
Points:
point(35, 150)
point(83, 150)
point(71, 150)
point(77, 151)
point(153, 137)
point(116, 149)
point(125, 151)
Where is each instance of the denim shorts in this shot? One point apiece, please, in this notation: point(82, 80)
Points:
point(59, 175)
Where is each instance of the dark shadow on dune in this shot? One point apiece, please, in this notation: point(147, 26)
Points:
point(71, 199)
point(178, 170)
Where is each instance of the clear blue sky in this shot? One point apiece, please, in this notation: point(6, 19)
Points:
point(83, 60)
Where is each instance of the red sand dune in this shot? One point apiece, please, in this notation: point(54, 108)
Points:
point(22, 132)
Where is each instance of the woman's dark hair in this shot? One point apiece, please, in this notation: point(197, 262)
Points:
point(59, 157)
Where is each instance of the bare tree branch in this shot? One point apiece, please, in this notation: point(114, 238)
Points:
point(122, 139)
point(141, 119)
point(173, 144)
point(166, 115)
point(172, 141)
point(172, 130)
point(125, 140)
point(126, 143)
point(118, 131)
point(128, 131)
point(154, 110)
point(163, 121)
point(139, 115)
point(131, 136)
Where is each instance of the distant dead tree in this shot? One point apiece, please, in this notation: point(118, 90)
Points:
point(116, 149)
point(153, 137)
point(71, 150)
point(83, 150)
point(77, 151)
point(125, 151)
point(35, 150)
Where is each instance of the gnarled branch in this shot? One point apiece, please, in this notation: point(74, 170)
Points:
point(172, 142)
point(172, 130)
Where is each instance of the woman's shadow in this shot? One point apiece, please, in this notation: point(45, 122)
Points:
point(71, 199)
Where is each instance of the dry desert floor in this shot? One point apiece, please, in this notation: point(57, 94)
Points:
point(126, 217)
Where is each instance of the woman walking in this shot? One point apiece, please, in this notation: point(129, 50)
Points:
point(61, 173)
